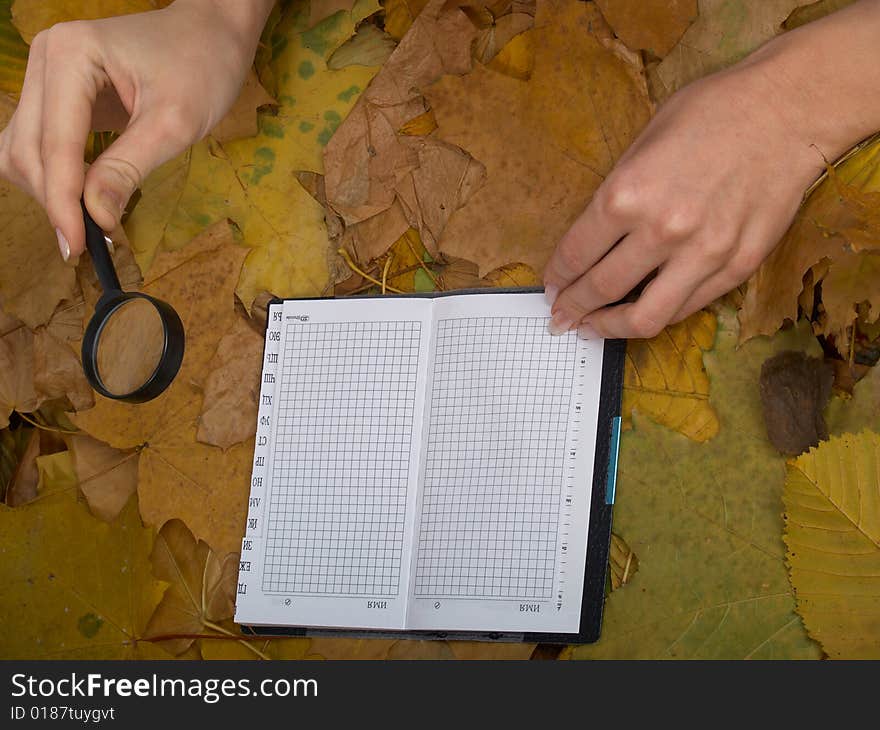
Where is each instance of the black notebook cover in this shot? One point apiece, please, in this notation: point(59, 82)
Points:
point(602, 502)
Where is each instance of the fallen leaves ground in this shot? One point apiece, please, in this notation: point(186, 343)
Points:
point(417, 146)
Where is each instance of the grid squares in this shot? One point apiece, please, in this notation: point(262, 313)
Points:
point(495, 459)
point(342, 449)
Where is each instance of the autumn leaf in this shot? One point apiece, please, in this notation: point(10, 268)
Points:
point(232, 388)
point(654, 26)
point(832, 532)
point(369, 46)
point(705, 521)
point(813, 11)
point(859, 412)
point(201, 591)
point(512, 275)
point(809, 252)
point(70, 585)
point(177, 476)
point(106, 476)
point(724, 32)
point(622, 562)
point(241, 120)
point(17, 391)
point(546, 143)
point(21, 485)
point(664, 378)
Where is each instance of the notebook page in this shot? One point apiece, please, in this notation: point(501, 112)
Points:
point(510, 433)
point(335, 467)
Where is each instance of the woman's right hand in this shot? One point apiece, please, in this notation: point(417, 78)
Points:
point(163, 78)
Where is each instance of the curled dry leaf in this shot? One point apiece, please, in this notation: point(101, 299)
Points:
point(832, 532)
point(546, 143)
point(177, 475)
point(202, 590)
point(622, 562)
point(512, 275)
point(107, 476)
point(666, 381)
point(232, 388)
point(17, 391)
point(397, 181)
point(812, 251)
point(794, 392)
point(22, 484)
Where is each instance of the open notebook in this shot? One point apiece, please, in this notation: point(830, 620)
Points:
point(430, 464)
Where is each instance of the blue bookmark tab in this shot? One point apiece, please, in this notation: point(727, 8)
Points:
point(611, 485)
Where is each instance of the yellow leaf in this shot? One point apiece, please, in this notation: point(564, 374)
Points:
point(201, 591)
point(177, 476)
point(220, 649)
point(32, 16)
point(71, 586)
point(512, 275)
point(832, 532)
point(328, 648)
point(666, 381)
point(517, 57)
point(253, 181)
point(467, 650)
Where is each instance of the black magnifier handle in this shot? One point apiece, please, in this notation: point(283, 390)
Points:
point(96, 244)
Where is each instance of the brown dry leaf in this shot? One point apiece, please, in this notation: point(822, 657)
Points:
point(795, 389)
point(369, 46)
point(32, 16)
point(665, 378)
point(17, 391)
point(107, 476)
point(232, 388)
point(809, 254)
point(512, 275)
point(202, 590)
point(546, 143)
point(58, 371)
point(725, 32)
point(654, 26)
point(622, 562)
point(400, 15)
point(33, 278)
point(22, 487)
point(397, 181)
point(241, 120)
point(177, 476)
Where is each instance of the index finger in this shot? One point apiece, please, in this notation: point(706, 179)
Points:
point(591, 236)
point(71, 87)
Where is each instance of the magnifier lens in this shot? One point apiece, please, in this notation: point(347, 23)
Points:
point(130, 346)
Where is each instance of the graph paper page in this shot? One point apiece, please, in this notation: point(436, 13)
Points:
point(509, 440)
point(333, 492)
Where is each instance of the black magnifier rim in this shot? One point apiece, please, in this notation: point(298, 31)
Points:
point(172, 348)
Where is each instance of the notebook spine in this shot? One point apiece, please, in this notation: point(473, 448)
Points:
point(261, 466)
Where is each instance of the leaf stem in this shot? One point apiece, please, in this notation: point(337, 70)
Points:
point(357, 270)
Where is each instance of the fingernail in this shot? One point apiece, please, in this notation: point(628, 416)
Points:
point(550, 293)
point(63, 245)
point(111, 202)
point(560, 324)
point(588, 332)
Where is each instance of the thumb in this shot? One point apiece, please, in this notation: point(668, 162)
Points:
point(122, 167)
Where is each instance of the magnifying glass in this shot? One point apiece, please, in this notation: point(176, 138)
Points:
point(133, 345)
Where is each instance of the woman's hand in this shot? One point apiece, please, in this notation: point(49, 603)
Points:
point(712, 183)
point(165, 78)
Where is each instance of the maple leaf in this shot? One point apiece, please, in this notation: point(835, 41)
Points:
point(106, 476)
point(178, 477)
point(72, 586)
point(201, 591)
